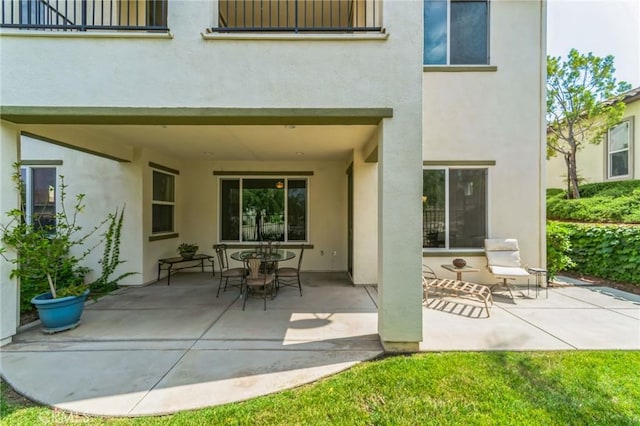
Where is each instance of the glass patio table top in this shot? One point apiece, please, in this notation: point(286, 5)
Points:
point(274, 256)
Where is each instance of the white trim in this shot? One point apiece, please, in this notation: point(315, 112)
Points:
point(286, 179)
point(155, 202)
point(447, 169)
point(85, 34)
point(257, 36)
point(629, 150)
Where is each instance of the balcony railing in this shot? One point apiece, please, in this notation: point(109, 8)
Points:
point(85, 15)
point(298, 16)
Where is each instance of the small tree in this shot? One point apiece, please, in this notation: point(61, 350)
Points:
point(583, 102)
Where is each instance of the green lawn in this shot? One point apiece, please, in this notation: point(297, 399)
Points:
point(523, 388)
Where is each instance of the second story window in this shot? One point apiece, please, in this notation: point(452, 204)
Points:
point(618, 150)
point(85, 15)
point(298, 16)
point(456, 32)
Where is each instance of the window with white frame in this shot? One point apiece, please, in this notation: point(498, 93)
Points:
point(263, 209)
point(39, 200)
point(456, 32)
point(163, 205)
point(454, 208)
point(619, 150)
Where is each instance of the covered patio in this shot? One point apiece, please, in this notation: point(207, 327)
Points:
point(161, 349)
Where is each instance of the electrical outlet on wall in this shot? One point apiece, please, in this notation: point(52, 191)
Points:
point(335, 253)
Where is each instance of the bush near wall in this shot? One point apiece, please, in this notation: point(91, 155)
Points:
point(558, 249)
point(604, 251)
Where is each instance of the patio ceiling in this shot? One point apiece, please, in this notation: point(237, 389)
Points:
point(224, 143)
point(206, 134)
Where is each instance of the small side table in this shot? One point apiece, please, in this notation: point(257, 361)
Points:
point(459, 271)
point(539, 274)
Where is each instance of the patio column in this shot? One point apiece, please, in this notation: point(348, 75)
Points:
point(399, 231)
point(9, 291)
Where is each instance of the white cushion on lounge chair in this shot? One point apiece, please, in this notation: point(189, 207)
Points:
point(502, 271)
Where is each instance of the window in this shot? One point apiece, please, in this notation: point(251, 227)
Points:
point(454, 208)
point(456, 32)
point(618, 150)
point(263, 209)
point(40, 197)
point(163, 202)
point(156, 12)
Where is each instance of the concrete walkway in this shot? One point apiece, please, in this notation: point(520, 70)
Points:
point(161, 349)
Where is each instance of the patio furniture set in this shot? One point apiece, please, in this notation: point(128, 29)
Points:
point(260, 272)
point(503, 261)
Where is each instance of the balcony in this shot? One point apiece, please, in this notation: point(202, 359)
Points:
point(342, 16)
point(85, 15)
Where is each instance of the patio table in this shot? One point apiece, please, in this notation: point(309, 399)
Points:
point(274, 256)
point(459, 271)
point(169, 262)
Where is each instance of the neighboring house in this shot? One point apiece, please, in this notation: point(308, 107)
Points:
point(384, 133)
point(616, 158)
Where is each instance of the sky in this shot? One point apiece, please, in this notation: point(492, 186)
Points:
point(603, 27)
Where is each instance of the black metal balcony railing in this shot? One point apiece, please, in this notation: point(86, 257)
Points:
point(298, 16)
point(84, 15)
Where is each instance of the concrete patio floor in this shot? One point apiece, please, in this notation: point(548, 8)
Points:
point(160, 349)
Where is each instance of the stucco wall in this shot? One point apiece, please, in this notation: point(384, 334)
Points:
point(497, 116)
point(186, 70)
point(107, 185)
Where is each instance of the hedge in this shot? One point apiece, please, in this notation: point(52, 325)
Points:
point(601, 250)
point(612, 202)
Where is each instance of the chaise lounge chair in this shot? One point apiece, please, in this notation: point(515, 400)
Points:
point(503, 261)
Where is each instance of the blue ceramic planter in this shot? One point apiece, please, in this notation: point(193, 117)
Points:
point(59, 314)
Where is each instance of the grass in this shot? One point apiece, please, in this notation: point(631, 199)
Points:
point(524, 388)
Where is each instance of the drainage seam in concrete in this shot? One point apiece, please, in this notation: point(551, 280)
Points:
point(186, 351)
point(366, 288)
point(535, 326)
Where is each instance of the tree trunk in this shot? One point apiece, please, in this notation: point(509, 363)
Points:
point(573, 192)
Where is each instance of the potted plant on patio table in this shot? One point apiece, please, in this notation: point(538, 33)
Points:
point(42, 253)
point(187, 250)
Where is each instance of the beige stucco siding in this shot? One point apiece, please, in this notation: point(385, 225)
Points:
point(107, 185)
point(496, 117)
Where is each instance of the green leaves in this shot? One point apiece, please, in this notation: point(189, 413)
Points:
point(616, 202)
point(606, 251)
point(558, 249)
point(42, 255)
point(583, 102)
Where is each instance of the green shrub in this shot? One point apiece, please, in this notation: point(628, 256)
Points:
point(609, 189)
point(558, 249)
point(613, 202)
point(604, 251)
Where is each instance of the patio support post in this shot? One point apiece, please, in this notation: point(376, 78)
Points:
point(9, 290)
point(399, 232)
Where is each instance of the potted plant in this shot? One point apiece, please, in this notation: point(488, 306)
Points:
point(43, 252)
point(187, 250)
